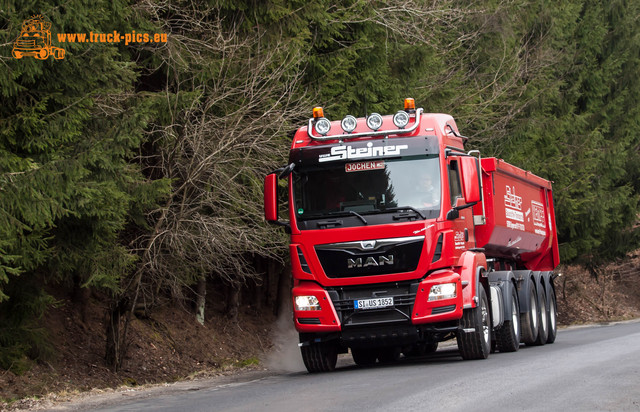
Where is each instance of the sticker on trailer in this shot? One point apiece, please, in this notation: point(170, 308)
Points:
point(364, 166)
point(538, 214)
point(516, 226)
point(511, 199)
point(513, 209)
point(513, 242)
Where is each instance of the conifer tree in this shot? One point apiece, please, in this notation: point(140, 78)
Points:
point(68, 131)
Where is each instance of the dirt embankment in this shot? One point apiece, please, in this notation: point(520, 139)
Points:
point(614, 294)
point(170, 345)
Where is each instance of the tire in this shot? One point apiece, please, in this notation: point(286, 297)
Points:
point(508, 336)
point(529, 320)
point(364, 356)
point(389, 355)
point(320, 357)
point(16, 54)
point(476, 344)
point(553, 313)
point(543, 329)
point(58, 54)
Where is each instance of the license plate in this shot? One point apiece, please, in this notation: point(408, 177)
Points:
point(373, 303)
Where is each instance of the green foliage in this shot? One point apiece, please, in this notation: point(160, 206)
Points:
point(69, 130)
point(22, 339)
point(138, 169)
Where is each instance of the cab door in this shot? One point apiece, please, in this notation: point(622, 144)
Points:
point(463, 228)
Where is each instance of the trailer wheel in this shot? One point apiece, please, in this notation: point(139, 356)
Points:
point(476, 344)
point(364, 356)
point(553, 313)
point(508, 336)
point(320, 356)
point(529, 319)
point(543, 330)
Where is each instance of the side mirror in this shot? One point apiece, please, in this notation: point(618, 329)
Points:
point(271, 198)
point(470, 179)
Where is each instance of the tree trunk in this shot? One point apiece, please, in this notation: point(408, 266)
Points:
point(201, 294)
point(233, 303)
point(117, 325)
point(80, 296)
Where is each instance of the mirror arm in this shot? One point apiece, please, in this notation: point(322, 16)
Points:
point(465, 206)
point(286, 171)
point(454, 212)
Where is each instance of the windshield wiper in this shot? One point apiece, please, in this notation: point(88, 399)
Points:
point(351, 212)
point(338, 213)
point(400, 208)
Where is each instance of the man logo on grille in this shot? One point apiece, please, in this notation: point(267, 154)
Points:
point(370, 261)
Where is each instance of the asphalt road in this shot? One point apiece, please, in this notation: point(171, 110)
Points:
point(594, 368)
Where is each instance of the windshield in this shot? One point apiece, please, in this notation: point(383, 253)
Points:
point(368, 187)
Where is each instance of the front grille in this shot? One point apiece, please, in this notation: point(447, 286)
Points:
point(403, 293)
point(348, 259)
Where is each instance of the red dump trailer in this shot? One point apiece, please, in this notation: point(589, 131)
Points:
point(401, 239)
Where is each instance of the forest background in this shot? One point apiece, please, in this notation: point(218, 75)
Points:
point(131, 175)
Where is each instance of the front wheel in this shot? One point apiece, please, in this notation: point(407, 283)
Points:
point(320, 356)
point(474, 340)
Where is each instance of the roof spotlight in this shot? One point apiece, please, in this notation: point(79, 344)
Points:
point(349, 123)
point(374, 121)
point(323, 126)
point(401, 119)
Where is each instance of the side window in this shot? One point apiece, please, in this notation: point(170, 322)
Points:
point(454, 182)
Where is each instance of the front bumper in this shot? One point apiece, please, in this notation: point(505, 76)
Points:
point(411, 306)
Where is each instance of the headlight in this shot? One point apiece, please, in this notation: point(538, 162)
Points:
point(401, 119)
point(374, 121)
point(323, 126)
point(349, 124)
point(307, 303)
point(443, 291)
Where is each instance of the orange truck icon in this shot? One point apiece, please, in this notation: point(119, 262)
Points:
point(35, 40)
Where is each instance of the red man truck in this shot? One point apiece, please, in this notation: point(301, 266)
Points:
point(401, 239)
